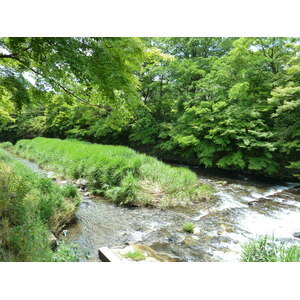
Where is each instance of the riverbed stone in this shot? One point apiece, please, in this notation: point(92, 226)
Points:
point(196, 230)
point(260, 201)
point(227, 227)
point(190, 241)
point(50, 174)
point(297, 234)
point(63, 182)
point(52, 240)
point(81, 182)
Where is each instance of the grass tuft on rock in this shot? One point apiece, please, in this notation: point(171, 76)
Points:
point(135, 255)
point(188, 227)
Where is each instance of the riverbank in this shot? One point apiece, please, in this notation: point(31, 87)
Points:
point(33, 209)
point(118, 173)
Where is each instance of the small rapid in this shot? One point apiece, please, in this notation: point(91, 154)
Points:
point(243, 208)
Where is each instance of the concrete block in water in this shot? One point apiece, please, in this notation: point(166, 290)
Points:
point(106, 255)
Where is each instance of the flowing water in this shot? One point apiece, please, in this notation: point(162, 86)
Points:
point(244, 207)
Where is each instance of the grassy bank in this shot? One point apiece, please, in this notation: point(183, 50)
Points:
point(30, 207)
point(118, 173)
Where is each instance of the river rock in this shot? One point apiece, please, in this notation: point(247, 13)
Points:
point(50, 174)
point(63, 182)
point(191, 241)
point(52, 241)
point(297, 234)
point(177, 237)
point(196, 230)
point(81, 182)
point(222, 182)
point(227, 227)
point(260, 201)
point(161, 236)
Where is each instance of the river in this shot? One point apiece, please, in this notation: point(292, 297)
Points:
point(244, 207)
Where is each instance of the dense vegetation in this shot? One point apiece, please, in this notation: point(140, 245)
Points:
point(116, 172)
point(231, 103)
point(266, 249)
point(30, 207)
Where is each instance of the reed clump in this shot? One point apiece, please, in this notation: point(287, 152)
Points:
point(266, 249)
point(116, 172)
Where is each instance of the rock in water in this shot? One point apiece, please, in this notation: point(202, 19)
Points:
point(52, 241)
point(297, 234)
point(81, 182)
point(196, 230)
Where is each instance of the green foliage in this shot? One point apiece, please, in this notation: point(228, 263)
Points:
point(6, 145)
point(188, 227)
point(31, 128)
point(124, 193)
point(135, 255)
point(98, 71)
point(30, 206)
point(231, 103)
point(70, 191)
point(67, 252)
point(266, 249)
point(223, 116)
point(118, 173)
point(13, 93)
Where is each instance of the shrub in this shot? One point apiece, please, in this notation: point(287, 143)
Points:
point(68, 252)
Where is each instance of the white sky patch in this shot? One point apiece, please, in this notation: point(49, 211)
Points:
point(254, 48)
point(3, 51)
point(29, 77)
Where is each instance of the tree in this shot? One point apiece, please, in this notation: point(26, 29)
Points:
point(99, 72)
point(285, 101)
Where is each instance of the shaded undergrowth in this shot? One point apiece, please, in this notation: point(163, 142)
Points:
point(116, 172)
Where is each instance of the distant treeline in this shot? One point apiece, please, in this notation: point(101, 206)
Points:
point(231, 103)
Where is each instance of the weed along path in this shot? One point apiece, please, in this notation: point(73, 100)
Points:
point(242, 208)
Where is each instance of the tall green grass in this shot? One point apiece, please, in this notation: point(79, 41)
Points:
point(116, 172)
point(30, 206)
point(266, 249)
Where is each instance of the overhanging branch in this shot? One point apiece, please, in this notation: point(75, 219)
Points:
point(68, 91)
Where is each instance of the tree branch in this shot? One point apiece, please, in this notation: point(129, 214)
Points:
point(6, 56)
point(69, 92)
